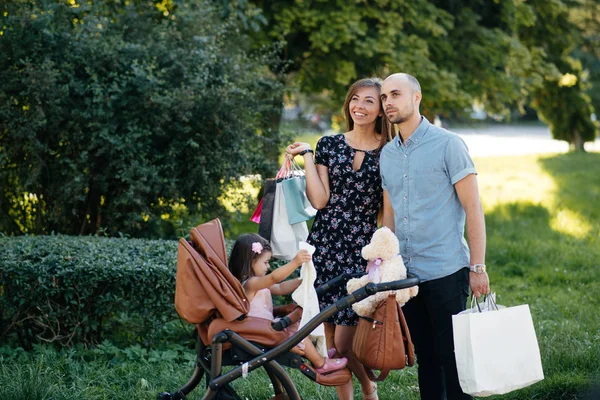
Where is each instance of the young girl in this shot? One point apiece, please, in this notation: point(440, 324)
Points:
point(249, 262)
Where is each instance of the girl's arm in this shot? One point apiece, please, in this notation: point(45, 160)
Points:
point(286, 287)
point(257, 283)
point(317, 176)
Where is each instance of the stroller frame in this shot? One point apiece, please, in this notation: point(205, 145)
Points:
point(228, 348)
point(212, 364)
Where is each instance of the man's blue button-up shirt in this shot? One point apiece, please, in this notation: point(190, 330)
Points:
point(419, 176)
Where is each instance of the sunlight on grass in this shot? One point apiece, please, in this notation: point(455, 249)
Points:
point(505, 180)
point(571, 223)
point(514, 179)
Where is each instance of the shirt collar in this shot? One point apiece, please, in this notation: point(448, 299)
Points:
point(417, 134)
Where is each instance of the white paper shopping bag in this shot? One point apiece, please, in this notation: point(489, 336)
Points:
point(496, 351)
point(285, 236)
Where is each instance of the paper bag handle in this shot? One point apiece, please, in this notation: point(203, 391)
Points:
point(492, 301)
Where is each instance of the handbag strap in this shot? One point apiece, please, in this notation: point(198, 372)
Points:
point(408, 344)
point(390, 309)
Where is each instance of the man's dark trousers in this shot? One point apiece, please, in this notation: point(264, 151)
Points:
point(429, 319)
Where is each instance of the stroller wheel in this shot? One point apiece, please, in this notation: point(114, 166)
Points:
point(171, 396)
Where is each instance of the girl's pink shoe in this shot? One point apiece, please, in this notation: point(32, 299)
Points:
point(331, 365)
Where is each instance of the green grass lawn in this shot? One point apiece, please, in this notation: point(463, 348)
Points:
point(543, 227)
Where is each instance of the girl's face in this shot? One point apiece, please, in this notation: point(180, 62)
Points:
point(365, 106)
point(260, 266)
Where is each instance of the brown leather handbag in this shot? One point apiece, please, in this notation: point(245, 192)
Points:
point(383, 341)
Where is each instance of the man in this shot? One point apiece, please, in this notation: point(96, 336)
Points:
point(430, 191)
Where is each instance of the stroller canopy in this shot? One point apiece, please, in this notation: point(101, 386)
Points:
point(204, 284)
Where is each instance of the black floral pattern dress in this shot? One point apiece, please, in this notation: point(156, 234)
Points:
point(346, 224)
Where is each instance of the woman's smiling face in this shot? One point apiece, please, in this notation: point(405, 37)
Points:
point(365, 106)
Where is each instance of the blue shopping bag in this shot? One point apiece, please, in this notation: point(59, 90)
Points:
point(297, 204)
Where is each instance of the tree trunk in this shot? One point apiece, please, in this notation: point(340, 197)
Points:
point(577, 143)
point(92, 209)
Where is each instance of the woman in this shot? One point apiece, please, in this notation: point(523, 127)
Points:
point(343, 183)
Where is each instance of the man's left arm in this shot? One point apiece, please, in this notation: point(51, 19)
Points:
point(468, 195)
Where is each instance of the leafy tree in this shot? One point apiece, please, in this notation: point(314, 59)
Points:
point(562, 102)
point(587, 18)
point(114, 115)
point(460, 51)
point(501, 54)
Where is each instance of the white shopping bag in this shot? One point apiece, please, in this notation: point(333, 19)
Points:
point(496, 350)
point(306, 297)
point(285, 236)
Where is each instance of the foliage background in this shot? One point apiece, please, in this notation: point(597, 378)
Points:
point(115, 117)
point(128, 118)
point(137, 118)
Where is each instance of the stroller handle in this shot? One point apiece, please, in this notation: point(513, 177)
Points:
point(368, 290)
point(371, 288)
point(337, 281)
point(411, 280)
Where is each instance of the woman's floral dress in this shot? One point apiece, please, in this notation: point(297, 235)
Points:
point(346, 224)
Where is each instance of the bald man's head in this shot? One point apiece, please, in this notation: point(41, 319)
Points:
point(401, 97)
point(407, 79)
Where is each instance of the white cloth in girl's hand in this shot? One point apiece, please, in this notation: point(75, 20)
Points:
point(306, 297)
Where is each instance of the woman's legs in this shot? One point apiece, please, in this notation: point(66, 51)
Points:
point(344, 392)
point(344, 336)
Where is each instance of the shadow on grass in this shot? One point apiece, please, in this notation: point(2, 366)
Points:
point(578, 179)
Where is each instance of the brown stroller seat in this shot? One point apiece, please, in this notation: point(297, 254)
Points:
point(208, 295)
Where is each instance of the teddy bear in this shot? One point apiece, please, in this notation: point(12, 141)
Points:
point(384, 265)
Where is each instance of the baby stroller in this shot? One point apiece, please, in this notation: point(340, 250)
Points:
point(208, 295)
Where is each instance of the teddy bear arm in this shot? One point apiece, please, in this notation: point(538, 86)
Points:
point(356, 283)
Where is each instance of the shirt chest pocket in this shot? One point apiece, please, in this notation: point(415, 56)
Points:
point(428, 183)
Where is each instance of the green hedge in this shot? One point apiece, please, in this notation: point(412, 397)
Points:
point(84, 289)
point(65, 289)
